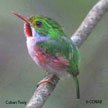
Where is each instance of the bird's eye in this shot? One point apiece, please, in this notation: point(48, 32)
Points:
point(38, 23)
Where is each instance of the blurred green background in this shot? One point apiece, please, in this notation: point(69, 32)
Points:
point(19, 74)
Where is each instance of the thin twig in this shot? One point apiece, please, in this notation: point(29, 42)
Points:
point(96, 13)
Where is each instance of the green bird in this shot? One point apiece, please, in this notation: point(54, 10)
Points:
point(50, 48)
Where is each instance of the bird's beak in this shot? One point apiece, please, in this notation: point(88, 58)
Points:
point(27, 25)
point(21, 17)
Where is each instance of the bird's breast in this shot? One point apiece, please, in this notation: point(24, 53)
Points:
point(37, 53)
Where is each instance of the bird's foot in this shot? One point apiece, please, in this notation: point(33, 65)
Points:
point(48, 80)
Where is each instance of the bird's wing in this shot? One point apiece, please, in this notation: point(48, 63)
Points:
point(64, 48)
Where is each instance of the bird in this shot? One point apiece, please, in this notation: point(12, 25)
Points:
point(50, 48)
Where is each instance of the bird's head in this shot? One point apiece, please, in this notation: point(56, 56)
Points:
point(41, 27)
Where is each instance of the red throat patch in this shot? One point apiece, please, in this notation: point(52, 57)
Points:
point(27, 30)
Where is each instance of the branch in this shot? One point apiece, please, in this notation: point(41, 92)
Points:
point(93, 17)
point(41, 93)
point(96, 13)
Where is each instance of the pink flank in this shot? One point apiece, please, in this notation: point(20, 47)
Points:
point(47, 59)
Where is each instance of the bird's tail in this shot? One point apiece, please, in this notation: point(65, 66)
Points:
point(76, 82)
